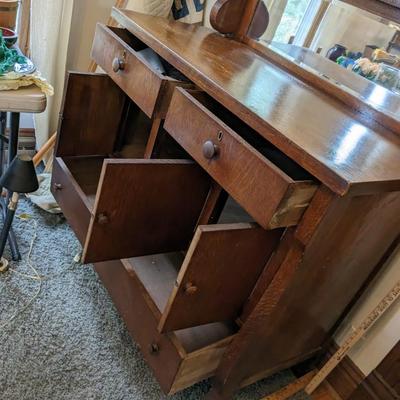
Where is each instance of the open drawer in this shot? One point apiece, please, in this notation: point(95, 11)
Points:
point(136, 207)
point(178, 359)
point(272, 188)
point(213, 279)
point(147, 207)
point(141, 74)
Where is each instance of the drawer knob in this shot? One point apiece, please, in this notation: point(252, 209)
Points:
point(210, 150)
point(118, 64)
point(102, 219)
point(190, 288)
point(154, 348)
point(58, 186)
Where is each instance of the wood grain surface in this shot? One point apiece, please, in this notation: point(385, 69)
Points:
point(145, 207)
point(320, 133)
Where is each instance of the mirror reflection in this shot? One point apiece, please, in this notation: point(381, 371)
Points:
point(354, 38)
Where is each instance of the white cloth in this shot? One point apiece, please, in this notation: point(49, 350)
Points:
point(14, 80)
point(43, 197)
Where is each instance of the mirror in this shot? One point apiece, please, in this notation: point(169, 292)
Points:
point(344, 44)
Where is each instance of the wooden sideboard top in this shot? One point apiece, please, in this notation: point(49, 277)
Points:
point(337, 145)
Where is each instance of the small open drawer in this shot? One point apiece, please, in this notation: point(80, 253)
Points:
point(178, 359)
point(273, 189)
point(144, 77)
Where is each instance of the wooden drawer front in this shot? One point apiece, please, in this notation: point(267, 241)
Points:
point(145, 207)
point(70, 198)
point(174, 358)
point(270, 196)
point(137, 78)
point(218, 274)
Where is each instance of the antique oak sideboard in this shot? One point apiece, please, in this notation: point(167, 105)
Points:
point(233, 203)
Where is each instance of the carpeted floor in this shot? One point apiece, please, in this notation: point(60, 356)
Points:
point(70, 343)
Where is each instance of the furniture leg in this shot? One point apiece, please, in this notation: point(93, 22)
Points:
point(12, 152)
point(13, 143)
point(3, 124)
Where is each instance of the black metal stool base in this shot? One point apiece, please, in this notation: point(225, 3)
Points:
point(12, 152)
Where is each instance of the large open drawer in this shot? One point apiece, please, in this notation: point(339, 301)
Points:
point(136, 207)
point(178, 359)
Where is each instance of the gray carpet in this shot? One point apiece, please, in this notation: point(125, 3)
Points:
point(70, 342)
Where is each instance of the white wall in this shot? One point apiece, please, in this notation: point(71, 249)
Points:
point(86, 14)
point(383, 336)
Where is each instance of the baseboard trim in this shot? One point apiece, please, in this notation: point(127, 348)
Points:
point(348, 381)
point(346, 377)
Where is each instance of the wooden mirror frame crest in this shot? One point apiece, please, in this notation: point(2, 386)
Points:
point(240, 18)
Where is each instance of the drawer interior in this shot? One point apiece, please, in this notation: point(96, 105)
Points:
point(234, 253)
point(86, 172)
point(147, 54)
point(273, 154)
point(115, 127)
point(133, 138)
point(180, 358)
point(158, 274)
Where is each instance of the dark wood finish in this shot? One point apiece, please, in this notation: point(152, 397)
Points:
point(218, 274)
point(142, 83)
point(338, 154)
point(154, 132)
point(256, 127)
point(389, 9)
point(146, 206)
point(226, 15)
point(254, 20)
point(286, 253)
point(70, 198)
point(89, 120)
point(213, 206)
point(270, 196)
point(174, 358)
point(313, 285)
point(240, 18)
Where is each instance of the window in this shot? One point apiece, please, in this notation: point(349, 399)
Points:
point(296, 20)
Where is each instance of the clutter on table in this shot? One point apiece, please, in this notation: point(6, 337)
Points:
point(17, 70)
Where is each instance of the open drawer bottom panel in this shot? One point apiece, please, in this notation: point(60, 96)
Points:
point(178, 359)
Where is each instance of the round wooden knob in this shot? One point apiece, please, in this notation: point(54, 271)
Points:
point(210, 150)
point(190, 288)
point(118, 64)
point(58, 186)
point(102, 219)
